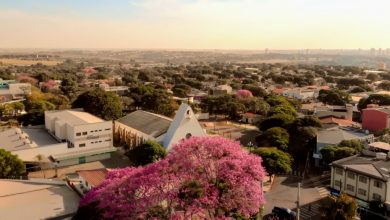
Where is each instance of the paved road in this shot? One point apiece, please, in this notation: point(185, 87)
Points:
point(284, 193)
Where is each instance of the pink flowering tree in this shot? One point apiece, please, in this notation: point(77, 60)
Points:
point(201, 178)
point(244, 94)
point(49, 85)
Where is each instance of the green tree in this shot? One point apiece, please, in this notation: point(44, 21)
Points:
point(354, 144)
point(334, 97)
point(275, 136)
point(277, 120)
point(385, 85)
point(332, 153)
point(106, 105)
point(378, 99)
point(69, 87)
point(10, 165)
point(275, 161)
point(343, 207)
point(146, 153)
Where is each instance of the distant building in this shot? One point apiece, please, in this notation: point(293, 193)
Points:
point(334, 135)
point(222, 90)
point(140, 126)
point(14, 89)
point(250, 118)
point(375, 118)
point(365, 177)
point(345, 112)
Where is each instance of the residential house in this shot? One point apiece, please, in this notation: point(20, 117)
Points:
point(331, 121)
point(222, 90)
point(140, 126)
point(334, 135)
point(250, 118)
point(365, 177)
point(91, 178)
point(346, 112)
point(375, 118)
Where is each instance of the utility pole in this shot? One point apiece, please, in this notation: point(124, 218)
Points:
point(299, 193)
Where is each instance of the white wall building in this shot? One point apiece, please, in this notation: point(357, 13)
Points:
point(365, 177)
point(88, 137)
point(14, 89)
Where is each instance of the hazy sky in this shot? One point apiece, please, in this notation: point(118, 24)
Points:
point(195, 24)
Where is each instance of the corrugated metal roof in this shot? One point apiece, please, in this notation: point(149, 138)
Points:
point(147, 122)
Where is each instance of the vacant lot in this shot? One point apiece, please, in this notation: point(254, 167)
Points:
point(19, 62)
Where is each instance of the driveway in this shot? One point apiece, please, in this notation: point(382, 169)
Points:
point(284, 193)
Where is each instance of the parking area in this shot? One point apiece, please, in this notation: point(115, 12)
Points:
point(244, 133)
point(117, 160)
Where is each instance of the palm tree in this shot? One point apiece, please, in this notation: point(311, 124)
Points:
point(40, 158)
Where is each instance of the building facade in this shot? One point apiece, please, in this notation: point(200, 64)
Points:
point(365, 177)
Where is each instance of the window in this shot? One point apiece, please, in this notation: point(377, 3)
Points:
point(362, 192)
point(188, 135)
point(350, 188)
point(91, 131)
point(100, 130)
point(78, 134)
point(107, 129)
point(100, 141)
point(351, 175)
point(376, 197)
point(70, 145)
point(84, 133)
point(337, 183)
point(82, 145)
point(339, 171)
point(362, 179)
point(108, 140)
point(377, 184)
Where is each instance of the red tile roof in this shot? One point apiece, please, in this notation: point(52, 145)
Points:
point(339, 121)
point(93, 177)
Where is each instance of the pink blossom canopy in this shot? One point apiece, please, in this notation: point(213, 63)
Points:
point(244, 94)
point(200, 177)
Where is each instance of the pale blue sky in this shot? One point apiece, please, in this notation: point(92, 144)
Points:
point(195, 24)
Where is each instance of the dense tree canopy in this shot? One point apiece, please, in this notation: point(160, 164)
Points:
point(146, 153)
point(10, 165)
point(276, 136)
point(106, 105)
point(202, 178)
point(334, 97)
point(275, 161)
point(378, 99)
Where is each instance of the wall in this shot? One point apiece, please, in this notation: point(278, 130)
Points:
point(98, 135)
point(130, 136)
point(374, 120)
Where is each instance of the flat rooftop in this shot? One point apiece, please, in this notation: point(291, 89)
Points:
point(39, 135)
point(74, 117)
point(29, 199)
point(13, 139)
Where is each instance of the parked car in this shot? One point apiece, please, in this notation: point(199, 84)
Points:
point(284, 213)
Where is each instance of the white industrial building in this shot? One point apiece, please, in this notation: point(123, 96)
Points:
point(69, 137)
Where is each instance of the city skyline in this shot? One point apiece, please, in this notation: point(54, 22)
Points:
point(195, 24)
